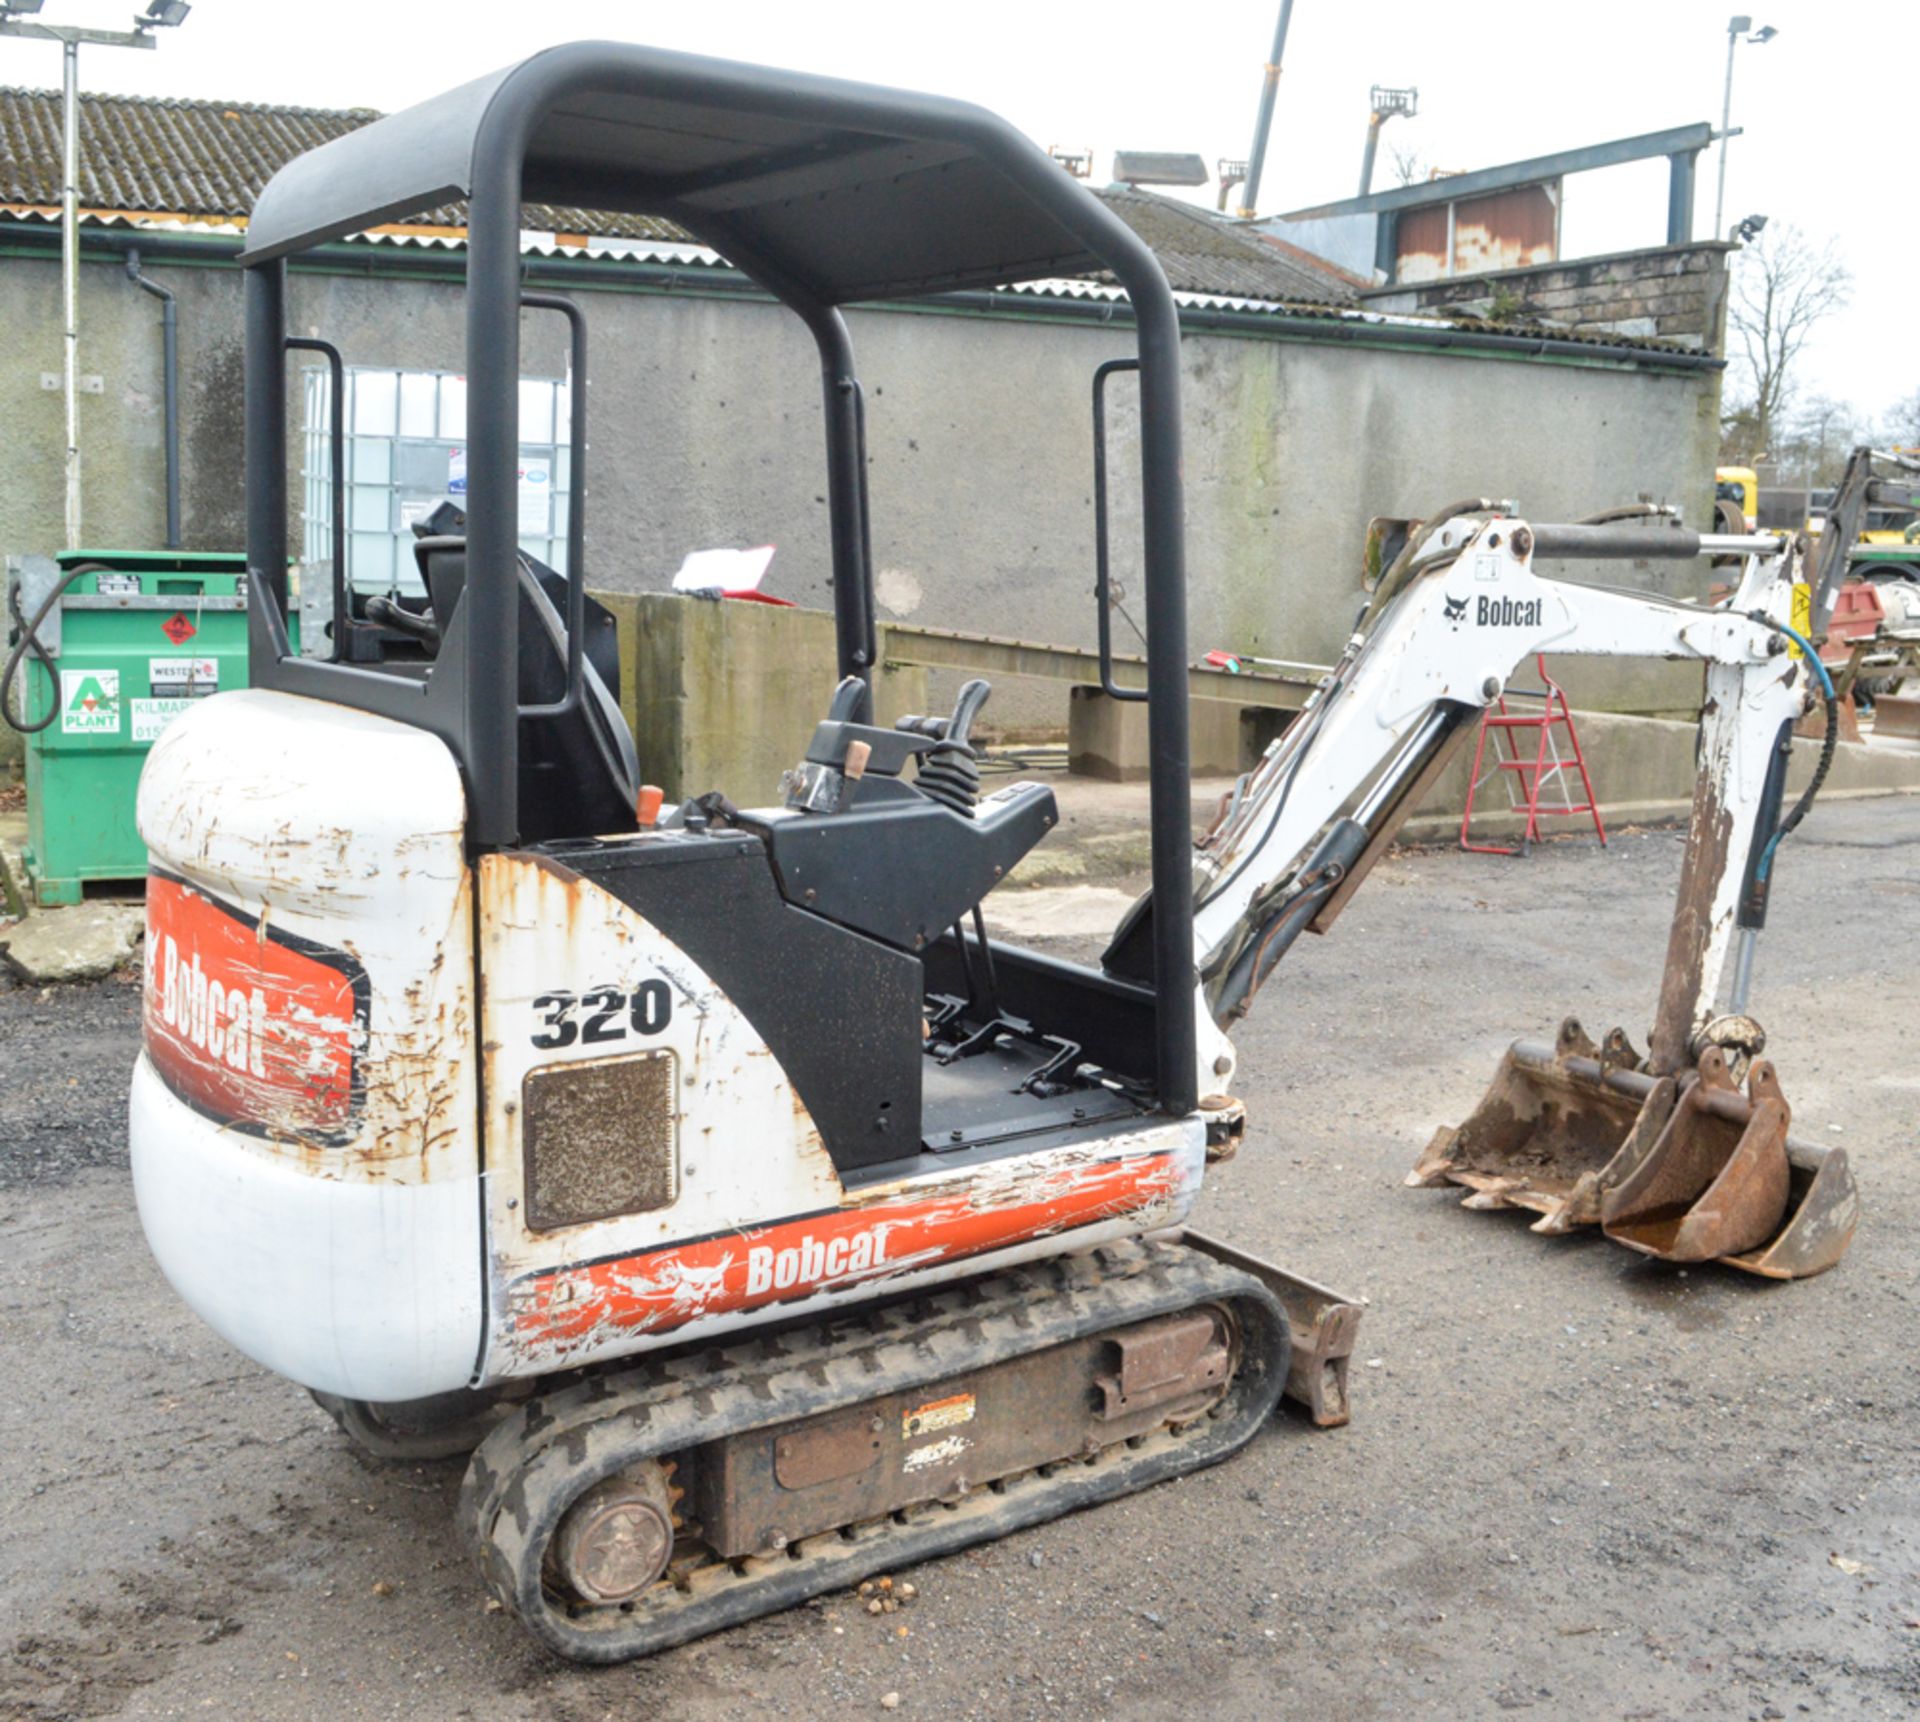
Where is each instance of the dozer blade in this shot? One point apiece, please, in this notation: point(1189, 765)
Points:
point(1716, 1182)
point(1555, 1128)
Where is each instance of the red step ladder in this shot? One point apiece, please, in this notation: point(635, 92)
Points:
point(1510, 756)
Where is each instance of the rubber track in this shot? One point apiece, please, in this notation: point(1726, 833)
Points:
point(526, 1473)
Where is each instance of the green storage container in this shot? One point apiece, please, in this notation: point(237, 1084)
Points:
point(137, 635)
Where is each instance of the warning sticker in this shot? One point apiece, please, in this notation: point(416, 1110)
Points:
point(90, 702)
point(936, 1414)
point(150, 717)
point(178, 629)
point(183, 678)
point(935, 1453)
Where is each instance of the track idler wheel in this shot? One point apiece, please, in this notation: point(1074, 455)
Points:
point(617, 1538)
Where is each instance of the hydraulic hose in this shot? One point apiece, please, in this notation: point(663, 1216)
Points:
point(29, 641)
point(1764, 866)
point(1751, 915)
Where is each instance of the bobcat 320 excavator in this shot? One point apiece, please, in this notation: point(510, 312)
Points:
point(771, 1223)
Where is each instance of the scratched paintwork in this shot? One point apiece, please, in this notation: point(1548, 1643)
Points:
point(311, 826)
point(745, 1143)
point(916, 1226)
point(246, 1027)
point(754, 1174)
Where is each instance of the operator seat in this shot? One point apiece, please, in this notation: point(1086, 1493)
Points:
point(579, 773)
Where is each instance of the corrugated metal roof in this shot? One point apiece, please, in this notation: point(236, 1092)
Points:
point(169, 163)
point(210, 160)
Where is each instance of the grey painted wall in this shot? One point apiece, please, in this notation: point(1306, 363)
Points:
point(705, 430)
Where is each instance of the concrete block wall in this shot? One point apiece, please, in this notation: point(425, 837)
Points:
point(726, 695)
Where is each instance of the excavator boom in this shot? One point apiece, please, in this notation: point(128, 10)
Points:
point(1459, 610)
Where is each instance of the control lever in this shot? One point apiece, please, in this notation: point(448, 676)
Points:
point(949, 773)
point(844, 751)
point(403, 621)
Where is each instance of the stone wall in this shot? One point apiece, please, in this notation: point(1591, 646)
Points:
point(1678, 293)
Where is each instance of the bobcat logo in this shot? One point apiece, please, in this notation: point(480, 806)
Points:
point(1456, 609)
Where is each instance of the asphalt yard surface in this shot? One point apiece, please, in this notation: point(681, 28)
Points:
point(1578, 1482)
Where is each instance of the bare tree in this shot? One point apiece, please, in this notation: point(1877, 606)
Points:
point(1784, 286)
point(1821, 434)
point(1902, 426)
point(1410, 167)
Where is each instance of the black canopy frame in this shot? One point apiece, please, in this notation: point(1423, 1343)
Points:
point(824, 192)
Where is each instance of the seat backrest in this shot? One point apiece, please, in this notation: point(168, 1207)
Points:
point(579, 773)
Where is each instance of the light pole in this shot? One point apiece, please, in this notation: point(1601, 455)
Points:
point(13, 22)
point(1739, 28)
point(1387, 104)
point(1269, 88)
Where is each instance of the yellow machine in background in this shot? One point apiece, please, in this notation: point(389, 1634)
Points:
point(1736, 497)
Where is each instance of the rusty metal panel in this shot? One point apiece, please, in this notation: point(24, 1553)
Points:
point(756, 1492)
point(1505, 230)
point(1500, 230)
point(1420, 244)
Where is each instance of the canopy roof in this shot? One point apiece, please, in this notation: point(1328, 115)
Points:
point(840, 190)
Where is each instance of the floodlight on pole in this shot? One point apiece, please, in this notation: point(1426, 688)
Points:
point(14, 15)
point(1739, 29)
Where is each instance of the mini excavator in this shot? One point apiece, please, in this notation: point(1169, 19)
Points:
point(753, 1219)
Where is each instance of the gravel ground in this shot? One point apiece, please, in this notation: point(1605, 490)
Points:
point(1577, 1482)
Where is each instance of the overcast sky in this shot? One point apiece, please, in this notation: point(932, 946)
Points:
point(1825, 107)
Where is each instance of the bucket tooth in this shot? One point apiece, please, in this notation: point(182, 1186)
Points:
point(1546, 1133)
point(1716, 1182)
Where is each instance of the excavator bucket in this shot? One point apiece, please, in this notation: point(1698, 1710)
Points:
point(1716, 1182)
point(1823, 1207)
point(1699, 1172)
point(1556, 1127)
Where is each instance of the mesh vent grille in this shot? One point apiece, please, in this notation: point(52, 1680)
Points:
point(600, 1139)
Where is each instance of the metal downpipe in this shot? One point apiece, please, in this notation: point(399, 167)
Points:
point(170, 385)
